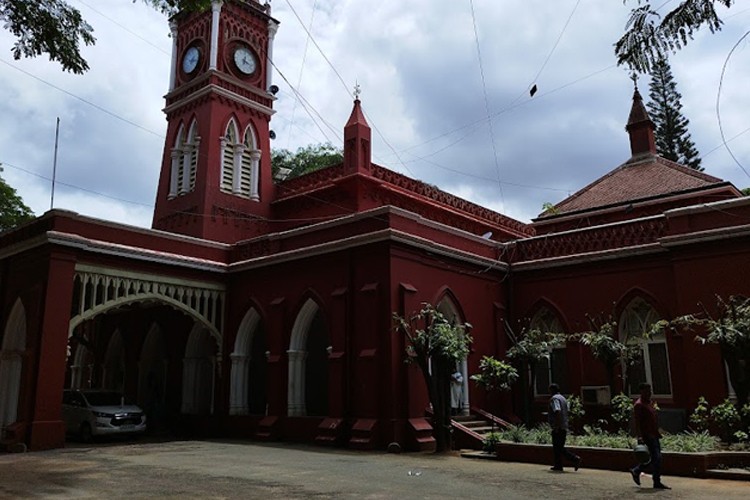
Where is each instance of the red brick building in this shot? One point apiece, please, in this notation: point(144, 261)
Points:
point(256, 308)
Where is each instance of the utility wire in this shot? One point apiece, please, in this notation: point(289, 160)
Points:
point(718, 100)
point(487, 103)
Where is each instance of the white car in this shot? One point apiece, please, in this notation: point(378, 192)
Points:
point(91, 413)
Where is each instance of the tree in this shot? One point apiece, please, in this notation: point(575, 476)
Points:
point(55, 28)
point(730, 330)
point(649, 37)
point(604, 346)
point(13, 211)
point(436, 345)
point(530, 347)
point(305, 160)
point(672, 137)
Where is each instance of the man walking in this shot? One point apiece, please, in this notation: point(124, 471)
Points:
point(647, 430)
point(558, 420)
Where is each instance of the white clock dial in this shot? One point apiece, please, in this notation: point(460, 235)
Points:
point(245, 60)
point(190, 60)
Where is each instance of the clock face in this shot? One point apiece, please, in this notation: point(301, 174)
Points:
point(245, 61)
point(190, 60)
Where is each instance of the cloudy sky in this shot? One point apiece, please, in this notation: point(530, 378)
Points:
point(444, 86)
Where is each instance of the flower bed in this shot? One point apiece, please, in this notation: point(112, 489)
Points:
point(673, 463)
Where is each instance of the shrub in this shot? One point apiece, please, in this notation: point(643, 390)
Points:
point(700, 418)
point(690, 442)
point(490, 441)
point(575, 410)
point(726, 416)
point(622, 411)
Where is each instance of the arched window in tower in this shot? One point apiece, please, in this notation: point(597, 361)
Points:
point(240, 162)
point(228, 145)
point(184, 160)
point(176, 173)
point(636, 320)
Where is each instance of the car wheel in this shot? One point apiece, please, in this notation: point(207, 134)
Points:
point(85, 432)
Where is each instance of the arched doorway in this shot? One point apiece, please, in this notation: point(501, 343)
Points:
point(448, 308)
point(308, 363)
point(152, 377)
point(249, 368)
point(198, 372)
point(82, 369)
point(11, 364)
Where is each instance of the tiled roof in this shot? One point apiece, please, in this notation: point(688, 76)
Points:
point(646, 177)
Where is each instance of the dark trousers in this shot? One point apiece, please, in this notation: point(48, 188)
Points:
point(654, 448)
point(559, 450)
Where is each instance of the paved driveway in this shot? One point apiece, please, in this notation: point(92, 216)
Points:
point(222, 469)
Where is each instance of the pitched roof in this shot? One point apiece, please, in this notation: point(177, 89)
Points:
point(646, 176)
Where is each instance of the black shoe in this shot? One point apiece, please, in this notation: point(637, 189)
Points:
point(636, 477)
point(661, 486)
point(577, 464)
point(556, 469)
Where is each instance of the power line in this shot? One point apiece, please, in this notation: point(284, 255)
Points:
point(486, 102)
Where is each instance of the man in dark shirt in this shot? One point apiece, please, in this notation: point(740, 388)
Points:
point(647, 430)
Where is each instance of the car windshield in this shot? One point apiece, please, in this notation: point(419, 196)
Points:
point(104, 398)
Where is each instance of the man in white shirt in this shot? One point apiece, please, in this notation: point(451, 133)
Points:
point(558, 420)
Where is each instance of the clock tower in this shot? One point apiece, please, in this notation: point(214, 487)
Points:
point(215, 180)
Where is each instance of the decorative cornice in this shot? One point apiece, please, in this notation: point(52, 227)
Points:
point(217, 89)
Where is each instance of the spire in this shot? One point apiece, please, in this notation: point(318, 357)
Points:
point(640, 128)
point(357, 135)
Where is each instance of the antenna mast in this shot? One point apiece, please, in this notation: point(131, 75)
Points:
point(54, 165)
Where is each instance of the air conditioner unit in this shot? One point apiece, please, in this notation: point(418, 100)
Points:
point(595, 394)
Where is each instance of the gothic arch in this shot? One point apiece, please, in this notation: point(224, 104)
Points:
point(449, 306)
point(308, 359)
point(544, 303)
point(249, 367)
point(96, 291)
point(636, 317)
point(198, 371)
point(152, 376)
point(81, 371)
point(113, 376)
point(554, 369)
point(11, 364)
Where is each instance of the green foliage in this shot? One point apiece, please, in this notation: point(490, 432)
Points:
point(665, 108)
point(649, 36)
point(727, 417)
point(622, 411)
point(534, 345)
point(490, 441)
point(435, 344)
point(549, 208)
point(576, 410)
point(495, 375)
point(730, 330)
point(13, 211)
point(700, 419)
point(56, 28)
point(691, 442)
point(305, 160)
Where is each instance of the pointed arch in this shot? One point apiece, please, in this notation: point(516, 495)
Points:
point(250, 168)
point(82, 369)
point(449, 306)
point(198, 371)
point(152, 376)
point(192, 147)
point(554, 369)
point(636, 319)
point(113, 378)
point(229, 148)
point(307, 393)
point(11, 364)
point(176, 173)
point(249, 367)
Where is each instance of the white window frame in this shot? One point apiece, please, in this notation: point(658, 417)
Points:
point(547, 321)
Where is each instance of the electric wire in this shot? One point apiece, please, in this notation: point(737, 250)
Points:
point(718, 102)
point(487, 104)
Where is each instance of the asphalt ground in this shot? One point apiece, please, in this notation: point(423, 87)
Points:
point(240, 469)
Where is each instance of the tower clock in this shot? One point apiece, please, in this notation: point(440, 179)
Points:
point(215, 180)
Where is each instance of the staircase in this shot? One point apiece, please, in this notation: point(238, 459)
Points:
point(469, 430)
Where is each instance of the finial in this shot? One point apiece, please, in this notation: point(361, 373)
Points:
point(634, 77)
point(357, 90)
